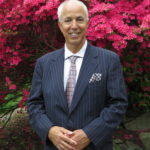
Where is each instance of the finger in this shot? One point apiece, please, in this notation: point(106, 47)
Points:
point(69, 135)
point(58, 147)
point(69, 140)
point(68, 132)
point(67, 146)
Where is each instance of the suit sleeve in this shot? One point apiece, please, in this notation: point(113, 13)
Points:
point(36, 108)
point(100, 129)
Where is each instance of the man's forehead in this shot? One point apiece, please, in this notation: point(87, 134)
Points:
point(70, 15)
point(73, 10)
point(68, 7)
point(72, 3)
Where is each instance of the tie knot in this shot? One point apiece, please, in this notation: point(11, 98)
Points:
point(73, 59)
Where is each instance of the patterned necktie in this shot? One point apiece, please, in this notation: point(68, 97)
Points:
point(71, 82)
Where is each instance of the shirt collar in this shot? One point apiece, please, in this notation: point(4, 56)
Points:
point(80, 53)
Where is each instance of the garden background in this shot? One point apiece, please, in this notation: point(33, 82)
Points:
point(28, 30)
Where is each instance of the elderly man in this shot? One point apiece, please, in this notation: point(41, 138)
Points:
point(78, 96)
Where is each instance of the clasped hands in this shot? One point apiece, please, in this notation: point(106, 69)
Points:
point(65, 139)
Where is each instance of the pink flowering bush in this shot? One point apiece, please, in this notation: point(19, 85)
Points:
point(124, 27)
point(28, 29)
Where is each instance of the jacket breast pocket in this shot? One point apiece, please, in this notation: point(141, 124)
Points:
point(97, 88)
point(95, 83)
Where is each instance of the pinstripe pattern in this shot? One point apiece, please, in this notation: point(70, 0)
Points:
point(97, 107)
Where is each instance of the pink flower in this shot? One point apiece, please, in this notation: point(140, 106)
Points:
point(21, 103)
point(140, 69)
point(8, 49)
point(140, 38)
point(15, 60)
point(129, 79)
point(25, 92)
point(17, 46)
point(128, 136)
point(12, 87)
point(7, 80)
point(9, 84)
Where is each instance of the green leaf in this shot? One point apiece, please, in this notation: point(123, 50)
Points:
point(9, 96)
point(10, 104)
point(117, 147)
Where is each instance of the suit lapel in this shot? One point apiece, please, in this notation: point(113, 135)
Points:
point(88, 66)
point(59, 76)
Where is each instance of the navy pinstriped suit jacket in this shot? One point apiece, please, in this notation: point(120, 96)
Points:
point(97, 107)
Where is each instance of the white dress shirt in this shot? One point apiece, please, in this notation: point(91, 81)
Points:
point(67, 62)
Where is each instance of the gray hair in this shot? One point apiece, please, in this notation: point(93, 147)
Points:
point(60, 8)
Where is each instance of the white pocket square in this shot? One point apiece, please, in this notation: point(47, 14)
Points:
point(95, 77)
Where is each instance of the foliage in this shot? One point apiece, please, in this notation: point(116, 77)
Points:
point(18, 135)
point(28, 29)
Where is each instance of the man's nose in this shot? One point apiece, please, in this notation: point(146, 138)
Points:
point(74, 24)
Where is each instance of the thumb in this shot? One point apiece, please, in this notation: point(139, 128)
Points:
point(65, 131)
point(70, 134)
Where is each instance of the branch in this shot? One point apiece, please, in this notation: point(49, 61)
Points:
point(10, 112)
point(8, 119)
point(50, 46)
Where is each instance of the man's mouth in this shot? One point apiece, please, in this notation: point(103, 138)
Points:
point(74, 35)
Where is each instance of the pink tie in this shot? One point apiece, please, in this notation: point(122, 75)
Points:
point(71, 82)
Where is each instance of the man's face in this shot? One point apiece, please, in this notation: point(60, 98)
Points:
point(73, 24)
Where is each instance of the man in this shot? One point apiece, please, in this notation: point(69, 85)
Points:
point(76, 105)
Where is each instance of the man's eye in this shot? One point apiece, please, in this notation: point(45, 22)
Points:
point(67, 20)
point(80, 20)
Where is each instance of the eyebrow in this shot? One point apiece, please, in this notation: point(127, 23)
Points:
point(75, 18)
